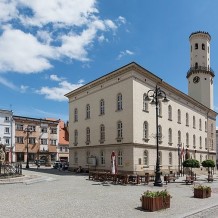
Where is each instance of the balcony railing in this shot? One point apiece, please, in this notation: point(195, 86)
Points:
point(207, 69)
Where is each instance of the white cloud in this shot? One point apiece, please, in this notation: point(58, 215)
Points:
point(51, 30)
point(23, 53)
point(57, 93)
point(55, 78)
point(23, 88)
point(124, 53)
point(8, 84)
point(122, 19)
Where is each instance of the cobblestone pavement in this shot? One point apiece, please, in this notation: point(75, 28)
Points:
point(51, 193)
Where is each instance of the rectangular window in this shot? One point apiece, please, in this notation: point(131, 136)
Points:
point(44, 142)
point(7, 119)
point(53, 141)
point(19, 127)
point(19, 140)
point(196, 45)
point(44, 129)
point(66, 149)
point(7, 141)
point(53, 130)
point(32, 128)
point(7, 130)
point(32, 140)
point(61, 149)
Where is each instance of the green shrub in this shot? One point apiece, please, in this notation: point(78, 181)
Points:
point(208, 163)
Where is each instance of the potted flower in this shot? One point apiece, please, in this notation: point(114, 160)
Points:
point(201, 191)
point(155, 200)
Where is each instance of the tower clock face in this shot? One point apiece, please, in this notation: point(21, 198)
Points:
point(196, 79)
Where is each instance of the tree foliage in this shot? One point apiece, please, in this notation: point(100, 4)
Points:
point(208, 163)
point(191, 163)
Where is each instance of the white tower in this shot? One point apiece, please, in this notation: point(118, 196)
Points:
point(200, 75)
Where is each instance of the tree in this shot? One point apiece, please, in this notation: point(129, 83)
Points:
point(208, 163)
point(192, 163)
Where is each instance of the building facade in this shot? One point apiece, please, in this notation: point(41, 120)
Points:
point(63, 142)
point(7, 134)
point(41, 137)
point(111, 114)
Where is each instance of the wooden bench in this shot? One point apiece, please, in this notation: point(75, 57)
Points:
point(190, 179)
point(170, 178)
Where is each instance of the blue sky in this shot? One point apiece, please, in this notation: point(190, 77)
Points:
point(48, 48)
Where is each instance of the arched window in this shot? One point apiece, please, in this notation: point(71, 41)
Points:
point(145, 103)
point(120, 158)
point(159, 132)
point(102, 158)
point(102, 133)
point(179, 137)
point(145, 130)
point(75, 157)
point(187, 119)
point(203, 46)
point(196, 65)
point(179, 116)
point(169, 112)
point(145, 158)
point(194, 125)
point(205, 143)
point(87, 111)
point(75, 137)
point(102, 107)
point(159, 109)
point(170, 158)
point(75, 115)
point(87, 156)
point(201, 158)
point(196, 45)
point(87, 135)
point(119, 102)
point(119, 129)
point(194, 141)
point(200, 124)
point(187, 139)
point(200, 142)
point(160, 157)
point(170, 136)
point(206, 126)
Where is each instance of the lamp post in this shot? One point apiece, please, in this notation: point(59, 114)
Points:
point(154, 96)
point(27, 130)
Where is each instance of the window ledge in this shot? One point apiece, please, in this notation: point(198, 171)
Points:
point(75, 143)
point(87, 118)
point(160, 116)
point(160, 141)
point(170, 119)
point(88, 142)
point(118, 110)
point(101, 141)
point(101, 114)
point(146, 111)
point(145, 139)
point(119, 139)
point(170, 143)
point(187, 146)
point(179, 122)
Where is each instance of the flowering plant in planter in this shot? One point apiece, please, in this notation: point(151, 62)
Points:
point(201, 191)
point(155, 200)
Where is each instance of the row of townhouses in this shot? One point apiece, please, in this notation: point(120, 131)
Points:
point(45, 139)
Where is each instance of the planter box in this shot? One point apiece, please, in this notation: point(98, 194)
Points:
point(154, 204)
point(202, 193)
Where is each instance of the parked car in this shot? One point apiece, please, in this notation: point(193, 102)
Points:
point(57, 164)
point(39, 162)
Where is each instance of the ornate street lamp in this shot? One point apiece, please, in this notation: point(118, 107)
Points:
point(154, 96)
point(28, 130)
